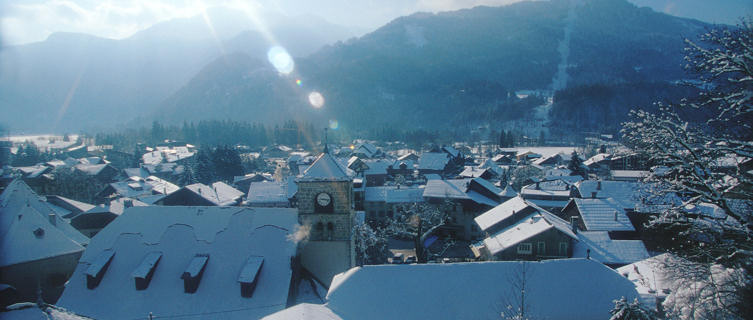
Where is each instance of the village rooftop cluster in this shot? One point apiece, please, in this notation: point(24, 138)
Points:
point(548, 232)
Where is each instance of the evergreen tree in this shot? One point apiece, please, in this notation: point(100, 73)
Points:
point(576, 165)
point(204, 169)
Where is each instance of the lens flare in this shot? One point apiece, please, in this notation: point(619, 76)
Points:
point(280, 59)
point(299, 82)
point(316, 99)
point(333, 124)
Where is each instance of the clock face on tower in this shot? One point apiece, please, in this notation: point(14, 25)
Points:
point(323, 199)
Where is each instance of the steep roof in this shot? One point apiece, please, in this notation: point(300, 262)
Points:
point(30, 235)
point(219, 193)
point(18, 195)
point(555, 289)
point(325, 167)
point(228, 236)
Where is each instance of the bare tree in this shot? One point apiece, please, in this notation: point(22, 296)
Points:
point(702, 149)
point(515, 303)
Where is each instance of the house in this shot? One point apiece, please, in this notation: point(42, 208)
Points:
point(614, 253)
point(197, 194)
point(465, 199)
point(102, 172)
point(549, 161)
point(383, 202)
point(599, 163)
point(434, 162)
point(367, 151)
point(376, 172)
point(551, 195)
point(600, 215)
point(502, 159)
point(245, 181)
point(270, 194)
point(38, 248)
point(554, 289)
point(95, 219)
point(520, 230)
point(167, 262)
point(477, 172)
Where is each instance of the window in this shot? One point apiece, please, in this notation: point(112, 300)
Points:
point(563, 248)
point(525, 248)
point(541, 250)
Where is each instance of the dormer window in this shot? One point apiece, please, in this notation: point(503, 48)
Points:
point(97, 269)
point(250, 275)
point(144, 272)
point(192, 276)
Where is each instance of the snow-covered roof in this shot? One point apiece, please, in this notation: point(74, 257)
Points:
point(227, 235)
point(451, 189)
point(603, 215)
point(629, 174)
point(137, 172)
point(472, 172)
point(535, 223)
point(90, 169)
point(325, 168)
point(433, 161)
point(596, 159)
point(624, 192)
point(308, 311)
point(501, 212)
point(451, 151)
point(265, 192)
point(391, 194)
point(377, 166)
point(27, 229)
point(18, 195)
point(219, 193)
point(648, 275)
point(555, 189)
point(508, 192)
point(153, 158)
point(608, 251)
point(554, 289)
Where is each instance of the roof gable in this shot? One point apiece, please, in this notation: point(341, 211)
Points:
point(325, 167)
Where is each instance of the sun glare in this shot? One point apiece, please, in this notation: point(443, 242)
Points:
point(316, 99)
point(281, 59)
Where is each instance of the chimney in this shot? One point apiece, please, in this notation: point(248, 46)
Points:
point(615, 215)
point(598, 185)
point(588, 254)
point(537, 186)
point(53, 220)
point(593, 195)
point(574, 224)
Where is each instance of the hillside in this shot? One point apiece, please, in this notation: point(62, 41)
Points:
point(461, 68)
point(71, 82)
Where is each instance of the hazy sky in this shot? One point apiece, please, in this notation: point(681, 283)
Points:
point(23, 21)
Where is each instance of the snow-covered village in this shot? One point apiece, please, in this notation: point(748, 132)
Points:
point(559, 159)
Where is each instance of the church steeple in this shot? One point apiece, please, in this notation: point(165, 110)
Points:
point(326, 149)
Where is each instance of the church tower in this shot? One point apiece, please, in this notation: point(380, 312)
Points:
point(325, 206)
